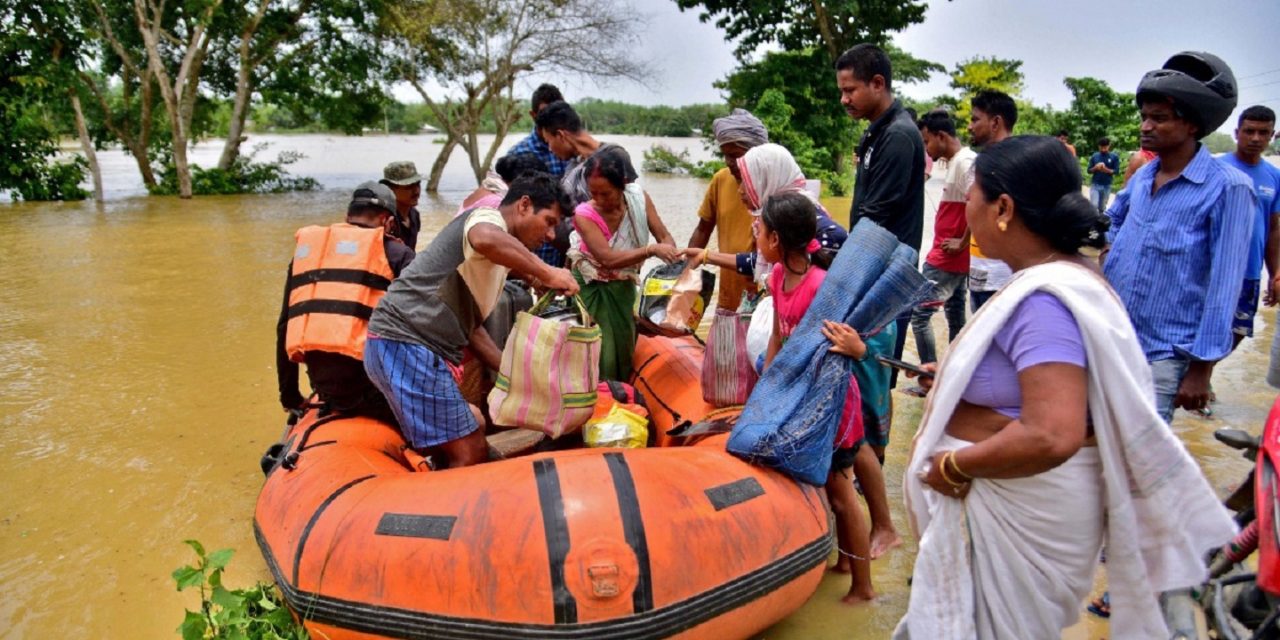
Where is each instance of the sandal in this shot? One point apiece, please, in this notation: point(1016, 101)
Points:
point(1101, 606)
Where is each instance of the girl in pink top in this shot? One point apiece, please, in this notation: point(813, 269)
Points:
point(786, 237)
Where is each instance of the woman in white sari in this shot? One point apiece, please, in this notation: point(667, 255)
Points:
point(1041, 441)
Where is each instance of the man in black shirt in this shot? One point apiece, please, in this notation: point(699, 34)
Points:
point(890, 183)
point(889, 189)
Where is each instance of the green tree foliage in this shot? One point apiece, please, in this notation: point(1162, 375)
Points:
point(805, 83)
point(305, 55)
point(1036, 120)
point(608, 116)
point(38, 61)
point(797, 25)
point(1096, 111)
point(977, 74)
point(1219, 142)
point(811, 36)
point(815, 161)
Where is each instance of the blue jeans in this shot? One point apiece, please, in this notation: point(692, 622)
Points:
point(1098, 195)
point(1167, 376)
point(979, 298)
point(948, 288)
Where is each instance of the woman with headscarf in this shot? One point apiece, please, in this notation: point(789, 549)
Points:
point(722, 209)
point(768, 170)
point(610, 241)
point(1041, 438)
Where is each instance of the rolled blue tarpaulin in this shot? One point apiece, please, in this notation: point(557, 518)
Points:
point(790, 419)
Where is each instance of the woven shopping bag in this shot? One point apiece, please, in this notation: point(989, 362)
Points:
point(728, 375)
point(549, 372)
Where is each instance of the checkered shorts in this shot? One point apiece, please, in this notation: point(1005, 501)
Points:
point(422, 390)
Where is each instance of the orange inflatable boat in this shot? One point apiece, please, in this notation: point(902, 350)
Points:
point(590, 543)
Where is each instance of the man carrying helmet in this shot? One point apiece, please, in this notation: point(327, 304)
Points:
point(337, 275)
point(1180, 230)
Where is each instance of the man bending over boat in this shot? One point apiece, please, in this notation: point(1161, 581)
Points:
point(431, 318)
point(337, 275)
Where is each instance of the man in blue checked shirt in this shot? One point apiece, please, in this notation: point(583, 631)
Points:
point(1180, 230)
point(544, 95)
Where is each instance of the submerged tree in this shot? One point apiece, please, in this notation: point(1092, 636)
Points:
point(463, 58)
point(39, 53)
point(322, 56)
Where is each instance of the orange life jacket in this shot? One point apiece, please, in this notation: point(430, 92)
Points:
point(340, 272)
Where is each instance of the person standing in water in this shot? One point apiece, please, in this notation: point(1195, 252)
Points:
point(722, 209)
point(1180, 232)
point(889, 188)
point(993, 116)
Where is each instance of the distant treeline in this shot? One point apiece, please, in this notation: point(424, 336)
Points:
point(599, 116)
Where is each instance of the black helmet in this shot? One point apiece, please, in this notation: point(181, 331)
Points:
point(1199, 83)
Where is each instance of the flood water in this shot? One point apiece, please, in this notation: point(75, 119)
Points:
point(137, 390)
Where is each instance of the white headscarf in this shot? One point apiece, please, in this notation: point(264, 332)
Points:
point(767, 170)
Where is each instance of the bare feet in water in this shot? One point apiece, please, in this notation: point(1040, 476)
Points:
point(882, 540)
point(856, 597)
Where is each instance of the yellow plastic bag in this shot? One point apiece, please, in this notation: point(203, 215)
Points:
point(623, 425)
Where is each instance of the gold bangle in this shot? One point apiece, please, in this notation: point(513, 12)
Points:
point(956, 466)
point(942, 468)
point(705, 252)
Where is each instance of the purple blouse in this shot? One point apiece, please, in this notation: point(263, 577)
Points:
point(1040, 330)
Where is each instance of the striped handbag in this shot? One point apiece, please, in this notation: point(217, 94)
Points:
point(549, 372)
point(727, 372)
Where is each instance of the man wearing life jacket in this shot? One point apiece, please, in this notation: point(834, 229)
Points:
point(436, 309)
point(337, 275)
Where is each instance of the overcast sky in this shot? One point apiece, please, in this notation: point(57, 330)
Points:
point(1115, 40)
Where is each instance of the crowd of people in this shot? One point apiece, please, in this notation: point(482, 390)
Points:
point(1088, 322)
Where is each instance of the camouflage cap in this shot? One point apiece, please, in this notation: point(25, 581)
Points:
point(402, 173)
point(373, 194)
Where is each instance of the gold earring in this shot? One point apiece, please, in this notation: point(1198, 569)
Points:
point(1004, 226)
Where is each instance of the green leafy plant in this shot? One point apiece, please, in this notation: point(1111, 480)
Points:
point(244, 176)
point(660, 158)
point(256, 613)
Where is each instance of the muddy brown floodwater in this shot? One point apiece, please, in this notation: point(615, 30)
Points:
point(137, 390)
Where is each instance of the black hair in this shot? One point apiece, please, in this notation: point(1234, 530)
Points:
point(1257, 113)
point(559, 116)
point(794, 217)
point(997, 103)
point(938, 121)
point(543, 190)
point(611, 163)
point(1063, 133)
point(545, 94)
point(1043, 180)
point(514, 165)
point(867, 61)
point(1104, 141)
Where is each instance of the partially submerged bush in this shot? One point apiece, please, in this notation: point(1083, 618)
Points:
point(244, 176)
